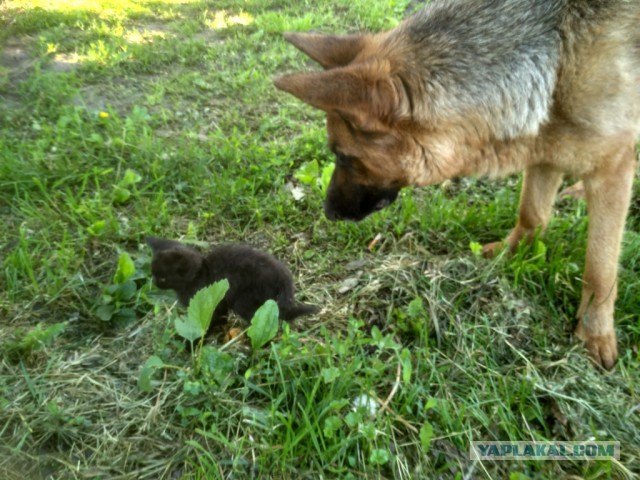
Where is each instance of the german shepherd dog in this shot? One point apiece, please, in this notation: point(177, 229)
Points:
point(491, 87)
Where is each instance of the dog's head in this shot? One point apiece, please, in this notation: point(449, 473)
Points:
point(368, 119)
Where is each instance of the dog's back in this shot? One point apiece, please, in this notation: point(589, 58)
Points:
point(599, 77)
point(576, 58)
point(480, 58)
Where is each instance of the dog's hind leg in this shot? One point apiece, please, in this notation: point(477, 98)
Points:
point(608, 192)
point(539, 189)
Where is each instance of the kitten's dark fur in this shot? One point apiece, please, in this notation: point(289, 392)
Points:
point(254, 277)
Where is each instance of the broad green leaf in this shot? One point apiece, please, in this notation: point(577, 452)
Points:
point(148, 369)
point(330, 374)
point(217, 364)
point(189, 411)
point(95, 138)
point(331, 426)
point(126, 290)
point(125, 314)
point(264, 324)
point(188, 329)
point(204, 303)
point(121, 194)
point(383, 341)
point(353, 418)
point(126, 268)
point(426, 433)
point(407, 367)
point(415, 308)
point(327, 172)
point(379, 456)
point(376, 334)
point(154, 361)
point(97, 228)
point(131, 177)
point(539, 249)
point(192, 387)
point(338, 404)
point(308, 173)
point(368, 431)
point(105, 312)
point(476, 248)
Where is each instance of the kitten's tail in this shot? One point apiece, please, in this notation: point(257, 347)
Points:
point(290, 312)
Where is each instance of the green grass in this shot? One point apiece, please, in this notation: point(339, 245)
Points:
point(197, 144)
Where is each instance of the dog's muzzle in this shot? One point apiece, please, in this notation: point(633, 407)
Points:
point(357, 202)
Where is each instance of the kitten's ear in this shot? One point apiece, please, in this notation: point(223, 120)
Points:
point(160, 244)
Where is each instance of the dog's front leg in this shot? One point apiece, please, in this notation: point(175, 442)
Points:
point(608, 193)
point(539, 189)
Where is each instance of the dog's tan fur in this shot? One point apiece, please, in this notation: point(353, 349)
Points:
point(399, 130)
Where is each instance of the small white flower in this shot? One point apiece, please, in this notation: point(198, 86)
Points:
point(366, 402)
point(296, 192)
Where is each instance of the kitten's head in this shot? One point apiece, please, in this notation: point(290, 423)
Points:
point(174, 265)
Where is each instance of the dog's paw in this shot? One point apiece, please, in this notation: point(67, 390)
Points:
point(602, 349)
point(490, 250)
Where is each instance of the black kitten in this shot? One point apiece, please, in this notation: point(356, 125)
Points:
point(254, 277)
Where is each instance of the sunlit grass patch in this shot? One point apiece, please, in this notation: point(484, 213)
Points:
point(221, 19)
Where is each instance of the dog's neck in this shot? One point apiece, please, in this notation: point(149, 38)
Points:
point(443, 157)
point(498, 158)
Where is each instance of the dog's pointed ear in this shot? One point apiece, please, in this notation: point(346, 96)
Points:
point(330, 51)
point(356, 92)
